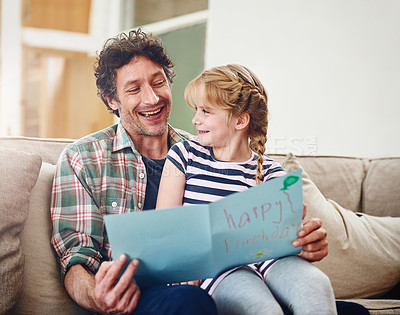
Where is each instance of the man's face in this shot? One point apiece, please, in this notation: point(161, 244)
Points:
point(144, 96)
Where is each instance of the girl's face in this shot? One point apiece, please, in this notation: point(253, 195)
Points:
point(211, 122)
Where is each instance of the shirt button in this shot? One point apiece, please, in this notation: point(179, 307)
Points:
point(139, 205)
point(114, 204)
point(141, 175)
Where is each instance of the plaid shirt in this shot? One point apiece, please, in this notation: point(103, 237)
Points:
point(99, 174)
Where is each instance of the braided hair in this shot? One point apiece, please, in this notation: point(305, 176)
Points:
point(237, 90)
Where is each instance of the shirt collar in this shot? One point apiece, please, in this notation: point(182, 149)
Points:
point(122, 139)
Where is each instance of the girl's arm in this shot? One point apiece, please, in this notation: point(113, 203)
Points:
point(170, 193)
point(172, 187)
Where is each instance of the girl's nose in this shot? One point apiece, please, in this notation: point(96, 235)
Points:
point(195, 119)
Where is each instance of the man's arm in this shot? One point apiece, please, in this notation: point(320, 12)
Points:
point(80, 283)
point(101, 293)
point(78, 240)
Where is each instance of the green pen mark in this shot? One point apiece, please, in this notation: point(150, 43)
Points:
point(289, 181)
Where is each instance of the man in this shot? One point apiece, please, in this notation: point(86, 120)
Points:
point(117, 170)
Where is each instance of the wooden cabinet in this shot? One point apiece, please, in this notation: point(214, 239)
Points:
point(63, 15)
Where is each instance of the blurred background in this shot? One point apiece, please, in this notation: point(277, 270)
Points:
point(331, 67)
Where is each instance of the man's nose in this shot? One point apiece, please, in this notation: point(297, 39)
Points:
point(149, 96)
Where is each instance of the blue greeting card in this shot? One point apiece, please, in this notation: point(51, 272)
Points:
point(200, 241)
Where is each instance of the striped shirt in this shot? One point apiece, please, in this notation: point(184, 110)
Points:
point(208, 180)
point(100, 174)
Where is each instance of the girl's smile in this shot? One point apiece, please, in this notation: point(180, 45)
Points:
point(219, 131)
point(212, 125)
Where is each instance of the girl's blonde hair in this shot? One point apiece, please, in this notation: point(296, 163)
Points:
point(237, 90)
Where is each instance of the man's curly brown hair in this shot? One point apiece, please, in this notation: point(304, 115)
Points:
point(119, 51)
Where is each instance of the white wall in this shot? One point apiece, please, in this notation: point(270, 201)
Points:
point(331, 69)
point(10, 68)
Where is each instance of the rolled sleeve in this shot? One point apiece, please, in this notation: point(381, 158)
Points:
point(77, 220)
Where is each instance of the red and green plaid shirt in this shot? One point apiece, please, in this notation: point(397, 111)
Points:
point(99, 174)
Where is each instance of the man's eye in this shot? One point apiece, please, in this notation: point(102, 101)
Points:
point(160, 83)
point(134, 90)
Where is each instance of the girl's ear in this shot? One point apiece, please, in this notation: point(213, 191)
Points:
point(242, 121)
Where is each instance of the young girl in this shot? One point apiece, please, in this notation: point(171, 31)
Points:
point(227, 157)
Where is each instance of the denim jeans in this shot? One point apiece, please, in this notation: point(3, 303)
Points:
point(175, 300)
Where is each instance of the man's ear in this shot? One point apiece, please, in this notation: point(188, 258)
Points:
point(242, 121)
point(111, 102)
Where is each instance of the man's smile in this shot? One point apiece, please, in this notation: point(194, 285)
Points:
point(151, 113)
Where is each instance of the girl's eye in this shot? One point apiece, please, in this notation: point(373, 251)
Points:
point(201, 109)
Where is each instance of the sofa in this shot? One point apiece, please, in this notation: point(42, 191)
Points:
point(358, 200)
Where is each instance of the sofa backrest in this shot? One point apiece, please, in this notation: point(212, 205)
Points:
point(381, 188)
point(370, 186)
point(338, 178)
point(48, 149)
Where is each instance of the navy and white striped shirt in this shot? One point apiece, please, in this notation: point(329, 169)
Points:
point(208, 179)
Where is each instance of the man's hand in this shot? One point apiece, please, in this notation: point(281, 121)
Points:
point(112, 296)
point(101, 293)
point(312, 236)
